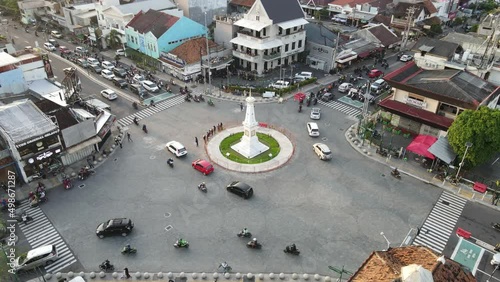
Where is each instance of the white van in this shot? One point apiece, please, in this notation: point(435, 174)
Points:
point(303, 75)
point(313, 129)
point(40, 256)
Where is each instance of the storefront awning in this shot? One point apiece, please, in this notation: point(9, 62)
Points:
point(254, 44)
point(253, 25)
point(346, 59)
point(421, 144)
point(442, 150)
point(292, 23)
point(84, 144)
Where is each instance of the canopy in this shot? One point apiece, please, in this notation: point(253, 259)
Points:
point(421, 144)
point(416, 273)
point(299, 96)
point(442, 150)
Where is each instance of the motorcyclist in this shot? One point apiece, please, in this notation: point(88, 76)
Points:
point(24, 217)
point(395, 171)
point(170, 161)
point(107, 264)
point(202, 185)
point(293, 248)
point(144, 128)
point(136, 121)
point(127, 248)
point(254, 243)
point(245, 231)
point(181, 242)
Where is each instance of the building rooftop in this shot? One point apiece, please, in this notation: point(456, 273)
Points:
point(192, 50)
point(351, 3)
point(152, 21)
point(389, 266)
point(283, 10)
point(460, 38)
point(7, 59)
point(141, 5)
point(22, 121)
point(435, 47)
point(319, 34)
point(384, 34)
point(244, 3)
point(401, 8)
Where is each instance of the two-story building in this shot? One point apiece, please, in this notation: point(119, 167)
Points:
point(423, 10)
point(202, 11)
point(428, 101)
point(154, 32)
point(271, 34)
point(431, 53)
point(79, 17)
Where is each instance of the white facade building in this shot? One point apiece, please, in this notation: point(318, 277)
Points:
point(195, 9)
point(271, 34)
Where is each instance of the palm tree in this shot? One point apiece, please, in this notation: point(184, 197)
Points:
point(113, 39)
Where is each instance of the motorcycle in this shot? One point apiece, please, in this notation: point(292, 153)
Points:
point(244, 235)
point(201, 98)
point(84, 174)
point(170, 162)
point(126, 251)
point(253, 245)
point(225, 267)
point(67, 183)
point(135, 106)
point(210, 102)
point(106, 266)
point(396, 173)
point(181, 244)
point(136, 121)
point(496, 226)
point(291, 250)
point(145, 129)
point(195, 98)
point(202, 187)
point(187, 99)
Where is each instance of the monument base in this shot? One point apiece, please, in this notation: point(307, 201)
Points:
point(250, 150)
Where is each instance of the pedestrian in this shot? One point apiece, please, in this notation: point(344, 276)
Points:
point(126, 274)
point(214, 129)
point(196, 141)
point(121, 146)
point(241, 106)
point(205, 139)
point(128, 137)
point(221, 127)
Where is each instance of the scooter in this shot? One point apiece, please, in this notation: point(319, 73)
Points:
point(170, 162)
point(106, 266)
point(136, 121)
point(202, 187)
point(290, 250)
point(201, 98)
point(210, 102)
point(184, 244)
point(251, 245)
point(126, 251)
point(396, 173)
point(496, 226)
point(195, 98)
point(67, 183)
point(244, 235)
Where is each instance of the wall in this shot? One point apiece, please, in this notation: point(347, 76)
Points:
point(321, 52)
point(17, 83)
point(195, 9)
point(34, 71)
point(401, 95)
point(184, 28)
point(224, 31)
point(429, 62)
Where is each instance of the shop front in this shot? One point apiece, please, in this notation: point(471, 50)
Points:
point(104, 124)
point(40, 157)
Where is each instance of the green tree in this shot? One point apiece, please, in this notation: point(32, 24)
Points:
point(113, 39)
point(436, 30)
point(479, 128)
point(11, 7)
point(474, 28)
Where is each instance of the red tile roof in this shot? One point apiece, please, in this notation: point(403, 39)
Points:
point(191, 51)
point(156, 22)
point(416, 114)
point(244, 3)
point(351, 3)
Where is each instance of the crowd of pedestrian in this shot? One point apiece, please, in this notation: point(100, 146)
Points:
point(210, 133)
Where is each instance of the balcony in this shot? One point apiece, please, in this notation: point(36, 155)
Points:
point(248, 35)
point(272, 56)
point(248, 57)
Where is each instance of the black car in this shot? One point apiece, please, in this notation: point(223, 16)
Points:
point(120, 72)
point(96, 69)
point(121, 226)
point(241, 189)
point(120, 82)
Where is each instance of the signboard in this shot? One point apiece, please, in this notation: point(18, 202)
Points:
point(416, 103)
point(45, 155)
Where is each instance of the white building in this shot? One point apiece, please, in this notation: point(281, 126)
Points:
point(195, 9)
point(79, 17)
point(271, 34)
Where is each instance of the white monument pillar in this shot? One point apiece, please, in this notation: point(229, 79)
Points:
point(250, 145)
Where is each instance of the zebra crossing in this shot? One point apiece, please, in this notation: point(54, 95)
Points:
point(149, 111)
point(40, 232)
point(341, 107)
point(440, 223)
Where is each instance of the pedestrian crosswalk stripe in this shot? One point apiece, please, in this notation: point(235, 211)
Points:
point(439, 224)
point(40, 232)
point(341, 107)
point(151, 110)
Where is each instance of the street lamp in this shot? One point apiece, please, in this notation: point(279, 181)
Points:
point(467, 146)
point(387, 240)
point(365, 107)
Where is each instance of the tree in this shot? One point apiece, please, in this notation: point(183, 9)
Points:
point(435, 30)
point(480, 128)
point(114, 39)
point(474, 28)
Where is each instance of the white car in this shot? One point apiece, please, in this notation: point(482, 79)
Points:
point(107, 65)
point(138, 78)
point(313, 129)
point(107, 74)
point(280, 84)
point(109, 94)
point(496, 259)
point(344, 87)
point(406, 58)
point(120, 52)
point(150, 86)
point(322, 151)
point(176, 148)
point(81, 50)
point(56, 34)
point(315, 113)
point(93, 62)
point(40, 256)
point(49, 46)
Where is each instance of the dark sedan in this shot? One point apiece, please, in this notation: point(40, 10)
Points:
point(241, 189)
point(96, 69)
point(120, 82)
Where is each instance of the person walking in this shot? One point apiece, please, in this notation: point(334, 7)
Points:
point(121, 146)
point(241, 106)
point(205, 139)
point(196, 141)
point(128, 137)
point(126, 274)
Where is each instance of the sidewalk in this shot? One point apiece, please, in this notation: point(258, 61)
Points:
point(407, 169)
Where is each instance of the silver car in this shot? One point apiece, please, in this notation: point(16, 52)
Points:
point(315, 113)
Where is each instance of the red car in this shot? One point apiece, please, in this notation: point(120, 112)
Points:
point(375, 73)
point(64, 50)
point(203, 166)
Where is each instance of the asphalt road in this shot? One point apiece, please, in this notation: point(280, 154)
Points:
point(334, 211)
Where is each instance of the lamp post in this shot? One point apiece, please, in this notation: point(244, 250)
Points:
point(467, 146)
point(365, 107)
point(208, 55)
point(386, 240)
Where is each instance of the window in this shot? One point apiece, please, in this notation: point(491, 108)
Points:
point(257, 18)
point(300, 44)
point(293, 45)
point(286, 48)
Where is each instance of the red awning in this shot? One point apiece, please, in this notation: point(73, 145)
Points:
point(364, 54)
point(420, 144)
point(416, 114)
point(299, 96)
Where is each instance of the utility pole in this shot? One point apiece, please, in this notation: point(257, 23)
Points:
point(208, 56)
point(409, 15)
point(335, 50)
point(291, 71)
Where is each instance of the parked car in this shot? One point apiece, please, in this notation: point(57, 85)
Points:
point(93, 61)
point(406, 58)
point(303, 75)
point(40, 256)
point(203, 166)
point(107, 74)
point(49, 46)
point(176, 148)
point(107, 65)
point(344, 87)
point(109, 94)
point(375, 73)
point(150, 86)
point(241, 189)
point(97, 69)
point(120, 82)
point(56, 34)
point(54, 42)
point(64, 50)
point(121, 226)
point(120, 52)
point(327, 97)
point(312, 129)
point(280, 84)
point(315, 113)
point(120, 72)
point(83, 63)
point(322, 151)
